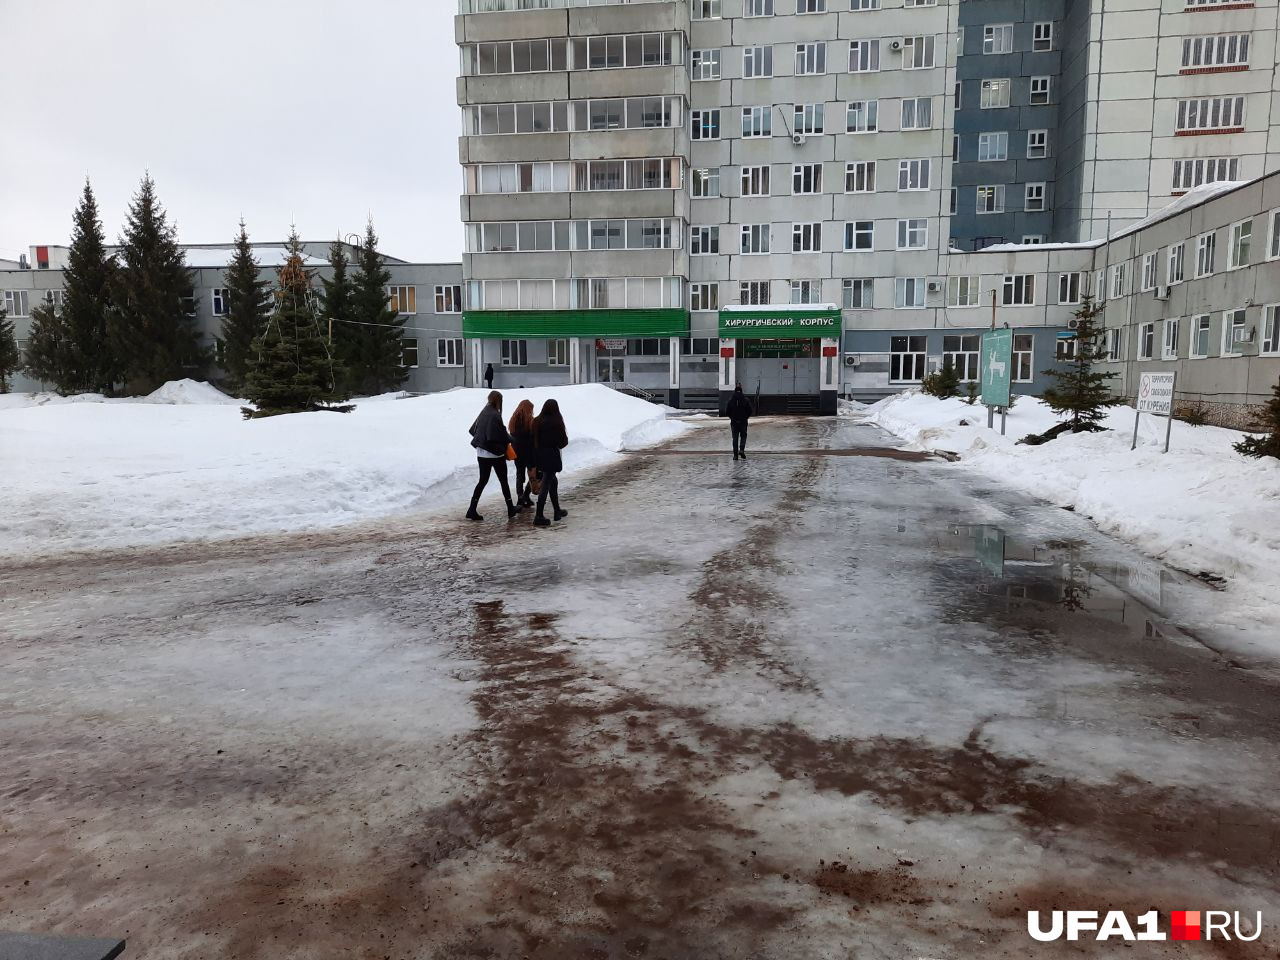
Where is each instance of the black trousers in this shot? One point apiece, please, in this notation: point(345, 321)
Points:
point(522, 480)
point(739, 431)
point(490, 465)
point(550, 488)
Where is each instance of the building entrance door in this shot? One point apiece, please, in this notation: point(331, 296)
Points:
point(610, 369)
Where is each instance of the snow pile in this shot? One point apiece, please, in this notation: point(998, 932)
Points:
point(117, 474)
point(1202, 507)
point(189, 391)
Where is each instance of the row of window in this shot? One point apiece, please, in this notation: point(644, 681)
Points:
point(908, 358)
point(710, 9)
point(994, 92)
point(1235, 336)
point(526, 236)
point(560, 116)
point(998, 37)
point(595, 293)
point(563, 176)
point(810, 57)
point(756, 238)
point(572, 53)
point(809, 178)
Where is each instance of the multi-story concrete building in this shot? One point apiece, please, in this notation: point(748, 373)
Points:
point(428, 295)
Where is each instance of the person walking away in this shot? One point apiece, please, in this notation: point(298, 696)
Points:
point(549, 438)
point(488, 377)
point(521, 430)
point(739, 412)
point(490, 438)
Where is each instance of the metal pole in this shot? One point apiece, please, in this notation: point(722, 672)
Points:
point(1168, 426)
point(1004, 418)
point(1137, 415)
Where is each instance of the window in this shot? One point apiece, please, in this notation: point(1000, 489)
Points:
point(558, 352)
point(1034, 197)
point(700, 346)
point(649, 347)
point(704, 125)
point(990, 198)
point(1233, 332)
point(1200, 330)
point(221, 301)
point(1241, 239)
point(755, 181)
point(403, 299)
point(864, 4)
point(515, 353)
point(1040, 90)
point(963, 350)
point(1070, 286)
point(705, 182)
point(1170, 342)
point(955, 147)
point(860, 176)
point(1273, 243)
point(811, 59)
point(757, 62)
point(908, 293)
point(704, 296)
point(917, 113)
point(906, 359)
point(861, 116)
point(449, 352)
point(753, 293)
point(704, 240)
point(993, 145)
point(1042, 36)
point(1037, 144)
point(913, 234)
point(1019, 290)
point(1192, 173)
point(913, 174)
point(449, 298)
point(757, 121)
point(55, 298)
point(962, 291)
point(811, 6)
point(1149, 271)
point(864, 56)
point(806, 291)
point(704, 10)
point(917, 53)
point(806, 178)
point(858, 294)
point(1205, 53)
point(409, 352)
point(808, 118)
point(1031, 239)
point(1270, 345)
point(755, 238)
point(16, 303)
point(997, 38)
point(1175, 272)
point(1205, 245)
point(1210, 115)
point(859, 235)
point(1066, 348)
point(704, 64)
point(1146, 341)
point(953, 197)
point(1023, 357)
point(757, 8)
point(1100, 286)
point(1119, 280)
point(806, 237)
point(994, 94)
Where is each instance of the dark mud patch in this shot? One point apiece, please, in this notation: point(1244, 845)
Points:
point(863, 888)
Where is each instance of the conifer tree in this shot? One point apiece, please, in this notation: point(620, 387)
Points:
point(374, 353)
point(47, 358)
point(1078, 393)
point(248, 307)
point(149, 325)
point(10, 359)
point(292, 368)
point(336, 304)
point(1267, 445)
point(91, 360)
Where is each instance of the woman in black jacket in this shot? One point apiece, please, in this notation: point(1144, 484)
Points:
point(490, 438)
point(521, 429)
point(549, 438)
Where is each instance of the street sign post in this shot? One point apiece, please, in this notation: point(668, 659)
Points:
point(997, 373)
point(1155, 395)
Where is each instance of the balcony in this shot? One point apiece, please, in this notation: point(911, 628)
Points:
point(507, 6)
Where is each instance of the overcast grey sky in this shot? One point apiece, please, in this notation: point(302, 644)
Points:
point(316, 112)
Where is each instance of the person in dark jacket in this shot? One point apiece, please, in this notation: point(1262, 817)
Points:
point(549, 438)
point(521, 430)
point(739, 412)
point(488, 377)
point(490, 438)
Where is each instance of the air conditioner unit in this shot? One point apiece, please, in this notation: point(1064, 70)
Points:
point(851, 360)
point(895, 46)
point(934, 286)
point(1162, 293)
point(1073, 324)
point(797, 138)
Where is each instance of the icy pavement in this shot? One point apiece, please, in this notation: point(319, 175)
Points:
point(832, 702)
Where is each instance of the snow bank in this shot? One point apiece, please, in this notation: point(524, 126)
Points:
point(186, 466)
point(1202, 507)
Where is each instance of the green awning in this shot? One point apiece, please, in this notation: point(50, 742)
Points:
point(769, 322)
point(538, 324)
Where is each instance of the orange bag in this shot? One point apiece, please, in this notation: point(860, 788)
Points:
point(511, 452)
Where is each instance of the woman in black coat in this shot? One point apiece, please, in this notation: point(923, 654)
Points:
point(490, 438)
point(521, 430)
point(549, 438)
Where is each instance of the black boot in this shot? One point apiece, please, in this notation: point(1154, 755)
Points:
point(512, 511)
point(541, 521)
point(471, 512)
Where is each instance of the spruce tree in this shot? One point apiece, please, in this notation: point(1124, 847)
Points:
point(153, 334)
point(1078, 393)
point(336, 304)
point(47, 357)
point(10, 359)
point(1267, 445)
point(292, 368)
point(248, 307)
point(374, 353)
point(92, 363)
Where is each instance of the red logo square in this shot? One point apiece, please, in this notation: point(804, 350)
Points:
point(1186, 925)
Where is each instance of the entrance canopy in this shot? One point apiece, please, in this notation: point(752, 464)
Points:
point(788, 321)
